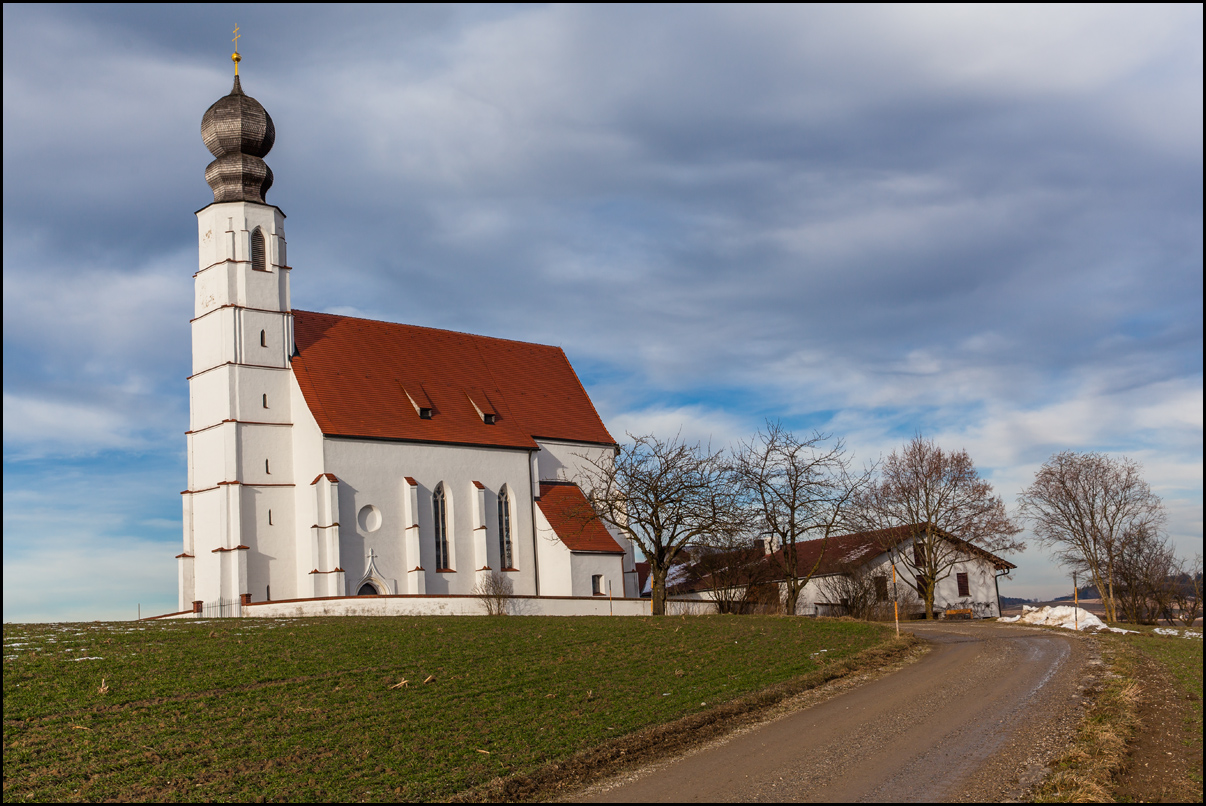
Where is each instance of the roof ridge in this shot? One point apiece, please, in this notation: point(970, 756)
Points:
point(437, 329)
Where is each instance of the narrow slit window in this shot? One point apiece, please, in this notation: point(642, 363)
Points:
point(439, 508)
point(263, 339)
point(266, 470)
point(270, 517)
point(257, 250)
point(265, 400)
point(504, 529)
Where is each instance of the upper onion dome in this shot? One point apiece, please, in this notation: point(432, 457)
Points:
point(239, 132)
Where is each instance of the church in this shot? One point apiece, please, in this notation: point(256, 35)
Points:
point(331, 456)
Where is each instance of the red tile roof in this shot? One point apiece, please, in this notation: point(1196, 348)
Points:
point(840, 553)
point(359, 378)
point(570, 515)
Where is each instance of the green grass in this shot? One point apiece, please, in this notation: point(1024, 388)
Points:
point(303, 709)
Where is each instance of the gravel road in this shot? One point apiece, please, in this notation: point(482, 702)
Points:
point(976, 719)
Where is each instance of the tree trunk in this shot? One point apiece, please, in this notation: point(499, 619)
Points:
point(657, 604)
point(793, 596)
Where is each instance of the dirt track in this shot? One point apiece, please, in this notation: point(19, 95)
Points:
point(974, 720)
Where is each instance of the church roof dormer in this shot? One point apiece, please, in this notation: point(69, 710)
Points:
point(239, 132)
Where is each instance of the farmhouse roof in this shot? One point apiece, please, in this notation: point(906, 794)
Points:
point(570, 515)
point(842, 552)
point(381, 380)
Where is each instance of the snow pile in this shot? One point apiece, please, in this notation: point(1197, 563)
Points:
point(1070, 618)
point(1168, 631)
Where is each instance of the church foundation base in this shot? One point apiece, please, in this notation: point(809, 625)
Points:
point(438, 606)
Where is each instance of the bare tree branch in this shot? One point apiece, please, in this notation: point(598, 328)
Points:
point(799, 490)
point(661, 493)
point(952, 508)
point(1084, 507)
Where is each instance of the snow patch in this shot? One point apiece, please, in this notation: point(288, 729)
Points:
point(1170, 631)
point(1069, 618)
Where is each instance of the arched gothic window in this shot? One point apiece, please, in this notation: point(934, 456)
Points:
point(439, 508)
point(257, 250)
point(504, 529)
point(367, 589)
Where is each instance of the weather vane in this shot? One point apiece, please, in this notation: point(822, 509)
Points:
point(235, 56)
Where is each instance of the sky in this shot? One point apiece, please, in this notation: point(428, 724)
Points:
point(982, 224)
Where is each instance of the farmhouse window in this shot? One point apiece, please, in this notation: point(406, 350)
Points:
point(596, 584)
point(964, 589)
point(881, 589)
point(918, 556)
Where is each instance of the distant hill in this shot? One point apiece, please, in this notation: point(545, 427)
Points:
point(1087, 592)
point(1013, 601)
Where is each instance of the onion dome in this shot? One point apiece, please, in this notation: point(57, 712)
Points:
point(239, 132)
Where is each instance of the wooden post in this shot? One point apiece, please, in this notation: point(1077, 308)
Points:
point(895, 601)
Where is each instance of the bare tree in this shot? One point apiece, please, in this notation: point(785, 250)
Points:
point(1084, 506)
point(799, 490)
point(494, 591)
point(860, 591)
point(661, 493)
point(1187, 590)
point(950, 509)
point(1145, 575)
point(731, 564)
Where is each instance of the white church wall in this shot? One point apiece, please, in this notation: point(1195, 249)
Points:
point(307, 465)
point(211, 344)
point(446, 606)
point(270, 530)
point(556, 576)
point(564, 461)
point(208, 521)
point(265, 453)
point(585, 565)
point(207, 457)
point(371, 473)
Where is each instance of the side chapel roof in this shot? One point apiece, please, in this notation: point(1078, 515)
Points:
point(571, 517)
point(364, 378)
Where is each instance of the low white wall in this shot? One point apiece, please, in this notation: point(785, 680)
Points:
point(442, 606)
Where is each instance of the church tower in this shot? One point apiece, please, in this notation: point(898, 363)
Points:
point(240, 495)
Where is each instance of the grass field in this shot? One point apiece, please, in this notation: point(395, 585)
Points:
point(312, 709)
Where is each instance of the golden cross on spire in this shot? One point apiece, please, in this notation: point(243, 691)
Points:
point(235, 56)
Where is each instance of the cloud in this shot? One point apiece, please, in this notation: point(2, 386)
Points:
point(980, 223)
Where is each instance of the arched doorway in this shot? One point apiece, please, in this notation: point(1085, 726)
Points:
point(367, 589)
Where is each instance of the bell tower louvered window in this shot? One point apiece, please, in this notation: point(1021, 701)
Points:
point(257, 250)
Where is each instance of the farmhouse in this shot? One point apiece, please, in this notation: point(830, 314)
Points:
point(331, 456)
point(863, 558)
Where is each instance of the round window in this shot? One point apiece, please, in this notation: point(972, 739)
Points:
point(370, 518)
